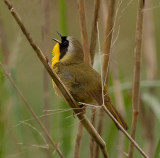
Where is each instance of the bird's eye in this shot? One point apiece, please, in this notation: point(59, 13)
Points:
point(65, 43)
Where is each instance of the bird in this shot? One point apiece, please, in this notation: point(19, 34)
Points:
point(81, 80)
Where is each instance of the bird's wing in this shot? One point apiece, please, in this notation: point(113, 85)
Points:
point(81, 80)
point(84, 83)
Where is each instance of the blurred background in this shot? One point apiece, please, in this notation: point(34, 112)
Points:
point(20, 135)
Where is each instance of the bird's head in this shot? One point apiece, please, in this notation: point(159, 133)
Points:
point(68, 49)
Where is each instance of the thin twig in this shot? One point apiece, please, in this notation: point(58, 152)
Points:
point(45, 47)
point(86, 123)
point(136, 73)
point(32, 112)
point(84, 36)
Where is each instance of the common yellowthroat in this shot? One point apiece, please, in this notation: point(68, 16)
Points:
point(82, 81)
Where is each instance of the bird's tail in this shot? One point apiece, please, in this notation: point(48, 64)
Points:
point(115, 113)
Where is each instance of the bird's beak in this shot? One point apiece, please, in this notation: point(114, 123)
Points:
point(59, 34)
point(56, 40)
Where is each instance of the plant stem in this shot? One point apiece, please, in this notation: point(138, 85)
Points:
point(92, 52)
point(94, 30)
point(105, 66)
point(78, 141)
point(108, 40)
point(136, 73)
point(84, 35)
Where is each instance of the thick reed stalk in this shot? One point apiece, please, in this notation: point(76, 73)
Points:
point(73, 104)
point(84, 35)
point(92, 144)
point(78, 141)
point(108, 39)
point(92, 52)
point(87, 59)
point(94, 29)
point(136, 73)
point(99, 129)
point(105, 66)
point(45, 47)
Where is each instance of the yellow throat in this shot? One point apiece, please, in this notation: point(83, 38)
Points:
point(56, 54)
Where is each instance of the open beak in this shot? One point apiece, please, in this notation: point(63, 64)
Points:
point(56, 40)
point(59, 34)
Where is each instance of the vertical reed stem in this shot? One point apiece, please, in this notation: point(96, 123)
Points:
point(78, 141)
point(84, 35)
point(105, 66)
point(108, 39)
point(92, 52)
point(136, 73)
point(87, 59)
point(94, 29)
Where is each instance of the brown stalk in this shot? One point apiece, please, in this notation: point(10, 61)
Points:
point(88, 55)
point(120, 104)
point(99, 129)
point(151, 68)
point(91, 143)
point(84, 35)
point(87, 59)
point(92, 53)
point(104, 11)
point(45, 48)
point(105, 66)
point(33, 113)
point(108, 39)
point(73, 104)
point(94, 30)
point(78, 141)
point(136, 73)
